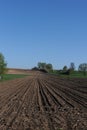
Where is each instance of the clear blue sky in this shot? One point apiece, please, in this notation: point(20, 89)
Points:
point(52, 31)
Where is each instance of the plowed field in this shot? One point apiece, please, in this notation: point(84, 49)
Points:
point(43, 102)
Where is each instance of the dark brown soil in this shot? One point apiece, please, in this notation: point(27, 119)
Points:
point(43, 102)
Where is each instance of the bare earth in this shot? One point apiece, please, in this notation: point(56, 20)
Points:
point(43, 102)
point(18, 71)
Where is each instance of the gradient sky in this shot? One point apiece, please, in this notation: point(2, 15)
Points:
point(52, 31)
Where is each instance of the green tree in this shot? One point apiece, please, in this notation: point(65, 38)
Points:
point(45, 66)
point(41, 65)
point(65, 68)
point(83, 68)
point(49, 67)
point(3, 65)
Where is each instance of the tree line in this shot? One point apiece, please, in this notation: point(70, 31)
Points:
point(81, 68)
point(48, 67)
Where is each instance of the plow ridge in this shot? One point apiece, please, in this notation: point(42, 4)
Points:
point(43, 102)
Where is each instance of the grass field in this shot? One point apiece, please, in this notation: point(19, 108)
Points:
point(77, 74)
point(74, 74)
point(12, 76)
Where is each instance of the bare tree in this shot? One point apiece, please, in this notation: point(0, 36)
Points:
point(72, 66)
